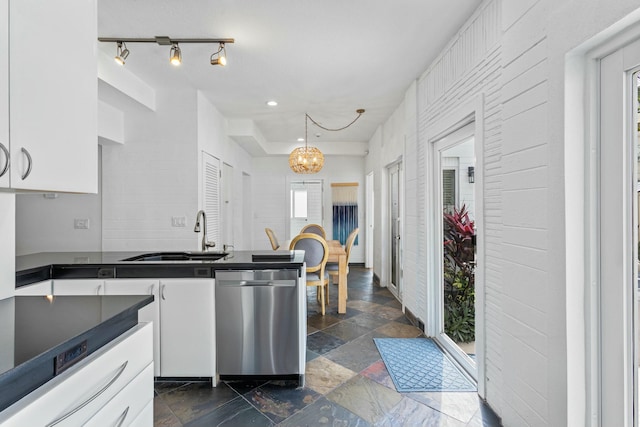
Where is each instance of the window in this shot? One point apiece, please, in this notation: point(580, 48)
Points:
point(298, 203)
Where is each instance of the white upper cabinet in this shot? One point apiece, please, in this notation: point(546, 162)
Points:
point(52, 94)
point(4, 94)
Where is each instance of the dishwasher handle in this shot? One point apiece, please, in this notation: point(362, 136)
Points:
point(253, 283)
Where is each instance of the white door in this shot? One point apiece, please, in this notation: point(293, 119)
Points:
point(306, 205)
point(617, 206)
point(369, 218)
point(211, 197)
point(395, 226)
point(227, 223)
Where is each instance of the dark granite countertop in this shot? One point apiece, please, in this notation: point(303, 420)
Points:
point(84, 265)
point(37, 329)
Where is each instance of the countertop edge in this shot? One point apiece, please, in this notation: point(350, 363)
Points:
point(18, 382)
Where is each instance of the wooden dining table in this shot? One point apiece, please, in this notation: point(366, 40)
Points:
point(336, 254)
point(339, 255)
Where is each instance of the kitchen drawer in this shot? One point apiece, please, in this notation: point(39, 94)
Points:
point(35, 289)
point(144, 418)
point(74, 396)
point(78, 287)
point(128, 404)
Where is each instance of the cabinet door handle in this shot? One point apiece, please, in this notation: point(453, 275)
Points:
point(153, 287)
point(162, 291)
point(29, 163)
point(98, 290)
point(7, 162)
point(92, 398)
point(122, 417)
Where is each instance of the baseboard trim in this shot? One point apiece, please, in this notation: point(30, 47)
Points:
point(415, 321)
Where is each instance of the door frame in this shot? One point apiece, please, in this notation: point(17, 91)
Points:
point(599, 220)
point(471, 111)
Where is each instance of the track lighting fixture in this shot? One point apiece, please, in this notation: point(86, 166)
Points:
point(219, 57)
point(121, 54)
point(175, 54)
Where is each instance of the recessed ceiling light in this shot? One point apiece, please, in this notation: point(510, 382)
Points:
point(300, 139)
point(272, 103)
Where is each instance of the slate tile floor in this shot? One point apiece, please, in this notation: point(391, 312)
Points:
point(347, 384)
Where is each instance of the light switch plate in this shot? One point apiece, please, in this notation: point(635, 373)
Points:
point(178, 221)
point(81, 223)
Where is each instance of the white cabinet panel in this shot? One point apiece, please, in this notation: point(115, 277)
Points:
point(78, 287)
point(52, 94)
point(35, 289)
point(149, 313)
point(80, 392)
point(127, 404)
point(187, 328)
point(4, 93)
point(145, 417)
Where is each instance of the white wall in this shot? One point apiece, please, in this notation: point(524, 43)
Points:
point(153, 177)
point(271, 177)
point(213, 139)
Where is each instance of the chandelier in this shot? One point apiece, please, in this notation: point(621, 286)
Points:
point(310, 159)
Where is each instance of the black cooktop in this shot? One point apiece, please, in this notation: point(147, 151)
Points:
point(41, 337)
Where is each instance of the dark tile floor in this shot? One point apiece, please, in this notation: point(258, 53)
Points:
point(347, 383)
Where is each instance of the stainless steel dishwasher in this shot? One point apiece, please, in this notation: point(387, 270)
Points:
point(258, 324)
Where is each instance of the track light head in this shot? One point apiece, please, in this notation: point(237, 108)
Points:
point(121, 54)
point(219, 57)
point(175, 55)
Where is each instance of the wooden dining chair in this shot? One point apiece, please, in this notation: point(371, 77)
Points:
point(272, 239)
point(316, 253)
point(332, 267)
point(315, 229)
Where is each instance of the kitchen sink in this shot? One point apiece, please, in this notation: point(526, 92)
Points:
point(178, 256)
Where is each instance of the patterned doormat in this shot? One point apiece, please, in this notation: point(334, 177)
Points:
point(418, 364)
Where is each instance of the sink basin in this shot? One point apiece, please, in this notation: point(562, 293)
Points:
point(178, 256)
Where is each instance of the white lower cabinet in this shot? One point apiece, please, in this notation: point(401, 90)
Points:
point(149, 313)
point(187, 328)
point(145, 417)
point(82, 392)
point(127, 404)
point(35, 289)
point(78, 287)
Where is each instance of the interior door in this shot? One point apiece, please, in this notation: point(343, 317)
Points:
point(227, 206)
point(395, 183)
point(211, 197)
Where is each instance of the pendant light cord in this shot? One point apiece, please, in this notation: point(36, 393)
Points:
point(360, 111)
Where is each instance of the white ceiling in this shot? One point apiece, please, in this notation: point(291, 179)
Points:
point(324, 57)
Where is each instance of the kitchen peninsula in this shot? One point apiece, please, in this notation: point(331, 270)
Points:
point(187, 286)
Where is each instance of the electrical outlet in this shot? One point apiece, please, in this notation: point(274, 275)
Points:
point(178, 221)
point(81, 223)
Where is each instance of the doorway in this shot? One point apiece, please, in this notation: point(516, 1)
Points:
point(455, 226)
point(369, 218)
point(395, 226)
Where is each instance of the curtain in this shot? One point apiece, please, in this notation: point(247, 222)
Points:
point(344, 198)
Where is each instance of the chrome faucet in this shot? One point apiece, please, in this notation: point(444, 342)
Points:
point(205, 243)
